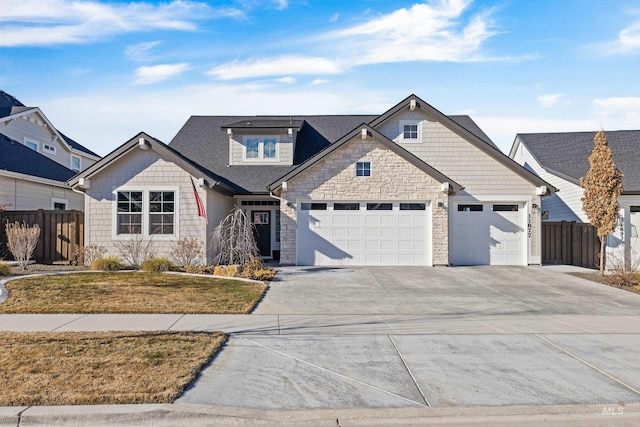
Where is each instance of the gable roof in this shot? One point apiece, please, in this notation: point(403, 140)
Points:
point(214, 181)
point(567, 154)
point(378, 137)
point(475, 139)
point(18, 158)
point(11, 108)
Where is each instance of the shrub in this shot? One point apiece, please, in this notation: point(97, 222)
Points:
point(85, 255)
point(226, 270)
point(5, 270)
point(199, 269)
point(135, 249)
point(157, 265)
point(21, 241)
point(256, 270)
point(111, 263)
point(186, 251)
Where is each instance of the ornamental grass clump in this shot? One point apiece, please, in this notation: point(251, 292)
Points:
point(111, 263)
point(21, 241)
point(5, 270)
point(157, 265)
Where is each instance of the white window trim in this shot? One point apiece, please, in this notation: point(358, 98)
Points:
point(260, 139)
point(31, 141)
point(418, 140)
point(71, 162)
point(49, 144)
point(145, 213)
point(55, 200)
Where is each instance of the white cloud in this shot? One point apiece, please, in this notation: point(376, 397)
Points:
point(287, 80)
point(549, 100)
point(284, 65)
point(158, 73)
point(434, 31)
point(334, 17)
point(141, 51)
point(55, 22)
point(619, 109)
point(319, 81)
point(629, 37)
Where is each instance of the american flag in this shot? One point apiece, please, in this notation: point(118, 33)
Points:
point(201, 211)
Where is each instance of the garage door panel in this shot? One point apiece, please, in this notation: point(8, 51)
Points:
point(364, 237)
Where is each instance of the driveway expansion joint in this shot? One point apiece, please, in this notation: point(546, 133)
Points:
point(70, 322)
point(404, 363)
point(177, 320)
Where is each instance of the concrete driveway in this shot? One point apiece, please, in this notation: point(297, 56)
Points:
point(431, 337)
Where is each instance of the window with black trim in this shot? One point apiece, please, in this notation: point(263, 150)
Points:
point(363, 169)
point(346, 206)
point(129, 212)
point(379, 206)
point(313, 206)
point(505, 208)
point(634, 208)
point(413, 206)
point(161, 212)
point(469, 208)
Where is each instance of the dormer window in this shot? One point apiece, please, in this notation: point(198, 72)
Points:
point(261, 148)
point(410, 131)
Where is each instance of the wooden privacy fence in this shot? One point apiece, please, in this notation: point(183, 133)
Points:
point(570, 243)
point(61, 232)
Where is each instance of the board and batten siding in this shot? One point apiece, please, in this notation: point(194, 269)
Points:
point(392, 178)
point(24, 195)
point(285, 148)
point(566, 204)
point(32, 127)
point(144, 170)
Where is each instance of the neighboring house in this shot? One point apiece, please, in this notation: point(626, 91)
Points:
point(409, 187)
point(36, 160)
point(563, 158)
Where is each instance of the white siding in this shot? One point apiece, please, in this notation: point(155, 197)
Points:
point(145, 170)
point(565, 205)
point(285, 147)
point(27, 195)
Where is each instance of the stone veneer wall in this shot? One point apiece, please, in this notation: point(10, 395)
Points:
point(392, 178)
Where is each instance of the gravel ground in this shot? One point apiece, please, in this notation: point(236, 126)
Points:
point(45, 268)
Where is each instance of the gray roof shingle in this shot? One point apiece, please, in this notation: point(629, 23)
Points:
point(18, 158)
point(204, 139)
point(568, 153)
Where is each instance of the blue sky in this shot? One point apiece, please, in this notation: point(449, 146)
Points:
point(103, 70)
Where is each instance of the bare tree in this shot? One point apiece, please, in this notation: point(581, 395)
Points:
point(602, 185)
point(135, 249)
point(233, 241)
point(186, 251)
point(21, 241)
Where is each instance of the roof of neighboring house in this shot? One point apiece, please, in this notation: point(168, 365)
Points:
point(17, 157)
point(205, 138)
point(10, 105)
point(568, 153)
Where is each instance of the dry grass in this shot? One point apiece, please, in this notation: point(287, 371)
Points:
point(609, 280)
point(79, 368)
point(130, 293)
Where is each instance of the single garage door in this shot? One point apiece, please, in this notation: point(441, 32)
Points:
point(363, 233)
point(488, 233)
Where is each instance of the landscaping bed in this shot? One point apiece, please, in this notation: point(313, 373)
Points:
point(81, 368)
point(611, 280)
point(131, 292)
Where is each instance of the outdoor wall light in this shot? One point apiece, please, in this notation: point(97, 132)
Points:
point(440, 205)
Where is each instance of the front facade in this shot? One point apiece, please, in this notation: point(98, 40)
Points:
point(563, 158)
point(408, 187)
point(37, 160)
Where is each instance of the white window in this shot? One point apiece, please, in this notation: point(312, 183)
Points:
point(49, 148)
point(261, 148)
point(146, 212)
point(32, 144)
point(410, 131)
point(363, 169)
point(76, 163)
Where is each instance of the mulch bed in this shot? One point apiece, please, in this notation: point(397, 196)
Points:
point(609, 280)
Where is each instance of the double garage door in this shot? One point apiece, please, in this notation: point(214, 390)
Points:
point(364, 233)
point(488, 233)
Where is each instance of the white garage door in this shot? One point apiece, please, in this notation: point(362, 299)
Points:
point(488, 233)
point(363, 233)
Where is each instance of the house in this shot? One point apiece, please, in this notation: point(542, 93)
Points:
point(37, 160)
point(411, 186)
point(563, 158)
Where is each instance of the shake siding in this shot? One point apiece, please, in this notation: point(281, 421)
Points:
point(285, 157)
point(565, 205)
point(27, 195)
point(142, 170)
point(392, 178)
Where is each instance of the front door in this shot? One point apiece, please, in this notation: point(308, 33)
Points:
point(262, 229)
